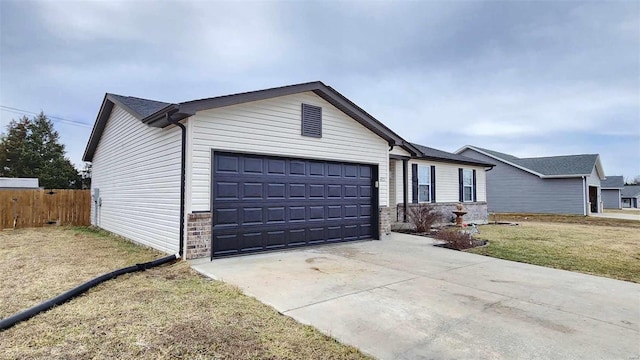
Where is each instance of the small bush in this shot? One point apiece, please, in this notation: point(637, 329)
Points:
point(457, 239)
point(423, 216)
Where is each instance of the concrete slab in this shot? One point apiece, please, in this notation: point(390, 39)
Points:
point(406, 299)
point(617, 216)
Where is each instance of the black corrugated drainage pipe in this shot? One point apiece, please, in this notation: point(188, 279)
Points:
point(64, 297)
point(182, 176)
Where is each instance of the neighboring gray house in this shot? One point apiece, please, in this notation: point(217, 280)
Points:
point(18, 183)
point(631, 196)
point(611, 192)
point(271, 169)
point(554, 185)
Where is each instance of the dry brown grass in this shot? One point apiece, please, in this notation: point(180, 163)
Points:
point(593, 249)
point(567, 219)
point(163, 313)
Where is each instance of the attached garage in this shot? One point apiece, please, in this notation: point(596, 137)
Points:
point(265, 202)
point(272, 169)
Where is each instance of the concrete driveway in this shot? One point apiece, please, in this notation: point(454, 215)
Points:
point(406, 299)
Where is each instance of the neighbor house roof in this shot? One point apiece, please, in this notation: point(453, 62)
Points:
point(19, 183)
point(157, 113)
point(612, 182)
point(631, 191)
point(435, 154)
point(550, 166)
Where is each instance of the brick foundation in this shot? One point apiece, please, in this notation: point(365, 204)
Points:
point(198, 235)
point(476, 213)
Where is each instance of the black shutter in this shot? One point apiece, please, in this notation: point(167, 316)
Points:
point(474, 186)
point(414, 182)
point(433, 184)
point(311, 120)
point(460, 186)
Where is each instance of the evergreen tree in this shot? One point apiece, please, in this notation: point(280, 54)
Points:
point(32, 148)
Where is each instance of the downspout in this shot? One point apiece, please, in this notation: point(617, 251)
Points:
point(584, 196)
point(182, 178)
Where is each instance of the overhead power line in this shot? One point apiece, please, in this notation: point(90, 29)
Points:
point(53, 118)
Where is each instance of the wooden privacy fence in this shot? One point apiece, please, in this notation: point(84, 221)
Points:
point(36, 208)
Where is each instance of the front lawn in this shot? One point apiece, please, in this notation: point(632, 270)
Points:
point(163, 313)
point(611, 251)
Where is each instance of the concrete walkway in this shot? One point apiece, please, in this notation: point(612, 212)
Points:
point(617, 216)
point(406, 299)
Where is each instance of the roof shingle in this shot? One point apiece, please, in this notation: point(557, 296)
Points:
point(612, 182)
point(631, 191)
point(582, 164)
point(439, 154)
point(144, 107)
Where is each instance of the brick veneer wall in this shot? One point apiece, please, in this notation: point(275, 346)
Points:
point(198, 235)
point(476, 213)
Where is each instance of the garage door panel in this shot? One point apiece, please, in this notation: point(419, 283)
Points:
point(275, 215)
point(227, 164)
point(252, 215)
point(227, 190)
point(262, 203)
point(252, 165)
point(276, 191)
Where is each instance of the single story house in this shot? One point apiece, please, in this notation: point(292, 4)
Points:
point(554, 185)
point(611, 192)
point(630, 196)
point(271, 169)
point(19, 183)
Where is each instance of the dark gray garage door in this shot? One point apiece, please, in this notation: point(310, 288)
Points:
point(263, 203)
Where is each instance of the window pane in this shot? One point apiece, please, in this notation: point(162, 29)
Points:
point(424, 193)
point(424, 174)
point(467, 177)
point(468, 193)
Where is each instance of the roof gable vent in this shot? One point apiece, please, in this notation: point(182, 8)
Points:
point(311, 120)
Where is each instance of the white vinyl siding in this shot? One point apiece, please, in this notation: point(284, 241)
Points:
point(593, 179)
point(397, 150)
point(273, 127)
point(137, 169)
point(447, 185)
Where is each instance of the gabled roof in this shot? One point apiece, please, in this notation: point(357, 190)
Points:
point(631, 191)
point(565, 166)
point(140, 108)
point(612, 182)
point(435, 154)
point(157, 114)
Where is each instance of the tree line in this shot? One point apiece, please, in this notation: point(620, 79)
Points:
point(31, 148)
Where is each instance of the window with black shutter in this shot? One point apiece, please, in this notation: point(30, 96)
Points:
point(311, 120)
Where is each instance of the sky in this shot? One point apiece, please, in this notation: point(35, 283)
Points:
point(526, 78)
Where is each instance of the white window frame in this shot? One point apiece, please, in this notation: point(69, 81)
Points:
point(465, 185)
point(424, 169)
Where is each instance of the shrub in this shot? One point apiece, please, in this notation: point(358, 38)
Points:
point(456, 239)
point(423, 216)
